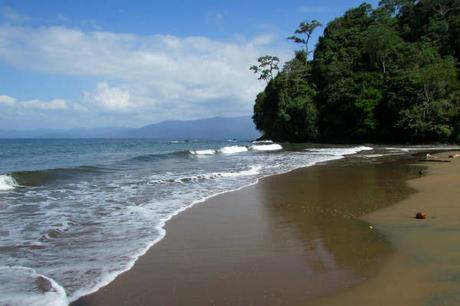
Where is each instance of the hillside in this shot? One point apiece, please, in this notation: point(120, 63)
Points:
point(385, 74)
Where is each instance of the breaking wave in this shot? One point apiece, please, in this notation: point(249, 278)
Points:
point(338, 151)
point(253, 170)
point(7, 182)
point(233, 149)
point(266, 147)
point(41, 177)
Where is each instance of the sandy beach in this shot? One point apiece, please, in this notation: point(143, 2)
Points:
point(343, 233)
point(425, 268)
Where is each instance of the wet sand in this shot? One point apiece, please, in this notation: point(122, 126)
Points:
point(425, 269)
point(288, 240)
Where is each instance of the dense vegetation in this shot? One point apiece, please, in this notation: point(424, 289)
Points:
point(389, 74)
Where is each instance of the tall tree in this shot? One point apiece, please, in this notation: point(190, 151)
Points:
point(380, 43)
point(304, 33)
point(267, 67)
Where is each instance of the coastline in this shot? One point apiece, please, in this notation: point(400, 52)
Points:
point(263, 237)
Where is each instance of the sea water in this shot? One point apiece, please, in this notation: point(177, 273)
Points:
point(76, 213)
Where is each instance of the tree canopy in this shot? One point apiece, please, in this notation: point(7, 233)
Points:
point(384, 74)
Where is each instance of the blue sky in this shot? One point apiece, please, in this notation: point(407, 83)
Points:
point(66, 64)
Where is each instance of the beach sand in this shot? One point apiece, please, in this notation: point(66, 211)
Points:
point(303, 238)
point(425, 269)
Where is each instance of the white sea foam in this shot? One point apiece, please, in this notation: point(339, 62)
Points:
point(233, 149)
point(253, 170)
point(7, 182)
point(203, 152)
point(339, 151)
point(267, 147)
point(19, 288)
point(423, 148)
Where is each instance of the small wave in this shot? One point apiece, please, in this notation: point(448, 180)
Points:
point(253, 170)
point(203, 152)
point(260, 142)
point(267, 147)
point(398, 149)
point(40, 177)
point(158, 156)
point(7, 182)
point(339, 151)
point(24, 286)
point(233, 149)
point(374, 155)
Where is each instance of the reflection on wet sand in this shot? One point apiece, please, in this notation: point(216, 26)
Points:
point(284, 241)
point(322, 210)
point(425, 268)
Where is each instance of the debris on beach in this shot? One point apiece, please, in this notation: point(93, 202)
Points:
point(434, 158)
point(421, 215)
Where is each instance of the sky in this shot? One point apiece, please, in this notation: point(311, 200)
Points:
point(106, 63)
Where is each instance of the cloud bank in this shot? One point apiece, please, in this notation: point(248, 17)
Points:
point(152, 78)
point(55, 104)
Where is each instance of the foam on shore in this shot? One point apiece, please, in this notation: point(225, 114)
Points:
point(21, 286)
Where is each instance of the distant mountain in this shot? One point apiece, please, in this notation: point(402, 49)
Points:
point(212, 128)
point(109, 132)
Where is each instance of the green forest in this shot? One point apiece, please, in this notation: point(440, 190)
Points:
point(386, 74)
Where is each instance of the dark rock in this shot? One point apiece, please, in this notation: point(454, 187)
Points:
point(43, 284)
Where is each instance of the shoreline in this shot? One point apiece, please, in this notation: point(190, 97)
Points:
point(161, 227)
point(100, 297)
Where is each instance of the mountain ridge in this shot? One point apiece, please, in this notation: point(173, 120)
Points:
point(214, 128)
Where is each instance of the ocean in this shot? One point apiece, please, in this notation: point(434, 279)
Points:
point(76, 213)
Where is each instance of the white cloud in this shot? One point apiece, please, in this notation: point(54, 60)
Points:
point(161, 76)
point(111, 98)
point(7, 100)
point(264, 39)
point(55, 104)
